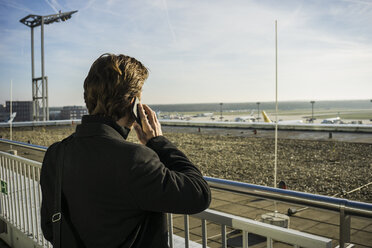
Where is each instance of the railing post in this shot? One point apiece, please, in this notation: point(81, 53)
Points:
point(12, 190)
point(2, 178)
point(269, 242)
point(223, 235)
point(345, 223)
point(187, 234)
point(170, 230)
point(25, 199)
point(32, 234)
point(18, 191)
point(244, 239)
point(35, 203)
point(204, 233)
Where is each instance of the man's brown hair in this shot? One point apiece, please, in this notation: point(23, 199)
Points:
point(112, 83)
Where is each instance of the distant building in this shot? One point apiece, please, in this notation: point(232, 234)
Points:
point(24, 110)
point(4, 116)
point(55, 115)
point(73, 112)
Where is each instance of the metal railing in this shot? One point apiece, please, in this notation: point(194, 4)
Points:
point(23, 144)
point(21, 196)
point(349, 207)
point(271, 232)
point(21, 200)
point(346, 208)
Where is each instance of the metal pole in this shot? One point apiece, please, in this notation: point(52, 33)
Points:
point(47, 98)
point(10, 112)
point(221, 117)
point(43, 69)
point(35, 115)
point(276, 103)
point(312, 111)
point(223, 236)
point(345, 223)
point(170, 230)
point(204, 233)
point(258, 110)
point(187, 231)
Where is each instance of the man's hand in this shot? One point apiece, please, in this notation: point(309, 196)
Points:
point(150, 125)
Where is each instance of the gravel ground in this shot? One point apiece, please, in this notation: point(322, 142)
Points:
point(321, 167)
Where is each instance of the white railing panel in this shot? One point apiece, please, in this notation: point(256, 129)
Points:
point(284, 235)
point(21, 203)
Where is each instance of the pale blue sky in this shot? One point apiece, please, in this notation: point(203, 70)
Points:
point(197, 50)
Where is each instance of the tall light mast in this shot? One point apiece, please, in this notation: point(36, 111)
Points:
point(40, 84)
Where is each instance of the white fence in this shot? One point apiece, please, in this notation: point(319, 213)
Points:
point(21, 196)
point(21, 201)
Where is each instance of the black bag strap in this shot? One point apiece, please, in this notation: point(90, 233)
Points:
point(57, 216)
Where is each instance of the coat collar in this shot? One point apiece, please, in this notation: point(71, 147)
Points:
point(96, 125)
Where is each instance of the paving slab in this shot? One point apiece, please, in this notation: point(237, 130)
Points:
point(301, 224)
point(259, 203)
point(217, 202)
point(179, 222)
point(281, 207)
point(362, 237)
point(319, 215)
point(236, 209)
point(361, 223)
point(368, 228)
point(325, 230)
point(228, 196)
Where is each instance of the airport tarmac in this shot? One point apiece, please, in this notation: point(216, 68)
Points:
point(282, 134)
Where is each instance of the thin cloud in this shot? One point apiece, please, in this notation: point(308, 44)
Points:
point(168, 21)
point(88, 4)
point(54, 5)
point(215, 47)
point(15, 5)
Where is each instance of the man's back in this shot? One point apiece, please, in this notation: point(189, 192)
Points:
point(115, 192)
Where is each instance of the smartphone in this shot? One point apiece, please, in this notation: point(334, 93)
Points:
point(135, 111)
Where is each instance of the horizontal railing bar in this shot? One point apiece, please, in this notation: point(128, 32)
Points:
point(325, 202)
point(276, 233)
point(22, 144)
point(41, 123)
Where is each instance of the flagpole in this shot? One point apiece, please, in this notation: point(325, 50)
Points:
point(10, 112)
point(276, 102)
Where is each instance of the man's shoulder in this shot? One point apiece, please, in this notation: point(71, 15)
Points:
point(137, 151)
point(50, 155)
point(54, 147)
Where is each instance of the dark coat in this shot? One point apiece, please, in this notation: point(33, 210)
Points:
point(114, 192)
